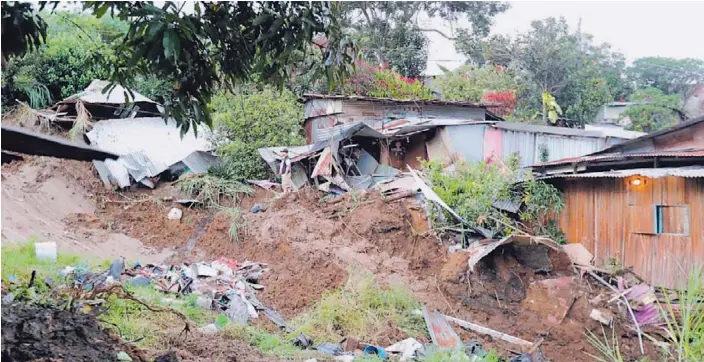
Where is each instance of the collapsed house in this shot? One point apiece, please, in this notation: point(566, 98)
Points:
point(130, 125)
point(371, 140)
point(639, 203)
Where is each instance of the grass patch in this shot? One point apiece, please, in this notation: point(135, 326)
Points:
point(361, 309)
point(213, 191)
point(270, 344)
point(134, 322)
point(457, 355)
point(19, 260)
point(238, 225)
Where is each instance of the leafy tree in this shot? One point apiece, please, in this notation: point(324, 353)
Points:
point(585, 106)
point(22, 30)
point(672, 76)
point(554, 59)
point(72, 55)
point(390, 33)
point(655, 110)
point(217, 45)
point(253, 118)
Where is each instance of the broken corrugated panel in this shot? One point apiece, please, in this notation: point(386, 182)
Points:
point(441, 333)
point(324, 165)
point(360, 182)
point(507, 205)
point(147, 146)
point(199, 161)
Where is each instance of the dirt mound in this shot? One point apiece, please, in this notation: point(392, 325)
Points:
point(34, 334)
point(198, 347)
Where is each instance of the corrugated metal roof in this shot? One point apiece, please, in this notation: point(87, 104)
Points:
point(118, 95)
point(665, 131)
point(689, 171)
point(308, 96)
point(147, 146)
point(525, 127)
point(600, 157)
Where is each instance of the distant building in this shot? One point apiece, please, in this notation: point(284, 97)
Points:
point(610, 113)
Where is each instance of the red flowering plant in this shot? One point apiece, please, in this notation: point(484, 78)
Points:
point(506, 99)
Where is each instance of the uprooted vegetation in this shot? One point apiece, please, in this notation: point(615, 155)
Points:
point(474, 189)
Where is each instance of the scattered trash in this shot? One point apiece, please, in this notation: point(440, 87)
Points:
point(351, 344)
point(116, 268)
point(345, 358)
point(302, 341)
point(523, 357)
point(602, 316)
point(474, 348)
point(406, 348)
point(258, 208)
point(375, 351)
point(644, 296)
point(138, 281)
point(330, 348)
point(46, 251)
point(202, 270)
point(175, 214)
point(123, 356)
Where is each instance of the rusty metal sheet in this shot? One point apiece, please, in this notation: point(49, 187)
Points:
point(440, 330)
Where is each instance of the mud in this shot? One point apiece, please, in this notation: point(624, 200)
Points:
point(45, 334)
point(310, 246)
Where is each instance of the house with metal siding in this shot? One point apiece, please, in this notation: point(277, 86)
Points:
point(446, 130)
point(638, 204)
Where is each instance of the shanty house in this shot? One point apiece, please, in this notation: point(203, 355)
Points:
point(640, 203)
point(447, 131)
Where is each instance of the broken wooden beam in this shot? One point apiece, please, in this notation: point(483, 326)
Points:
point(488, 331)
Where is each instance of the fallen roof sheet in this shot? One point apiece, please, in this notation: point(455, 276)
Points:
point(20, 140)
point(617, 156)
point(118, 95)
point(147, 146)
point(688, 171)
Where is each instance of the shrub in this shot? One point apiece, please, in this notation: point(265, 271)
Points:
point(472, 188)
point(252, 119)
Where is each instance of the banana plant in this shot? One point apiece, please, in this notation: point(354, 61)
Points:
point(551, 108)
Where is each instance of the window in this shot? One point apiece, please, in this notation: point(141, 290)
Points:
point(670, 219)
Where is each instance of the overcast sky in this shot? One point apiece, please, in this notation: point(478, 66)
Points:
point(637, 29)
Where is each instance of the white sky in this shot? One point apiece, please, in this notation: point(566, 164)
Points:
point(636, 29)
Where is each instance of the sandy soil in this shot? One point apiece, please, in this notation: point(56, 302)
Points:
point(41, 197)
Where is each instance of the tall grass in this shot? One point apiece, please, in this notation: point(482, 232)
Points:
point(685, 321)
point(608, 347)
point(361, 309)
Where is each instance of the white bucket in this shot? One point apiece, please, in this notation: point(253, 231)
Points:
point(46, 251)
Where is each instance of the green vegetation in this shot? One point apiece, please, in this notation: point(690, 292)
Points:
point(361, 309)
point(270, 344)
point(213, 191)
point(685, 323)
point(608, 348)
point(471, 83)
point(456, 355)
point(250, 119)
point(19, 260)
point(472, 188)
point(655, 110)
